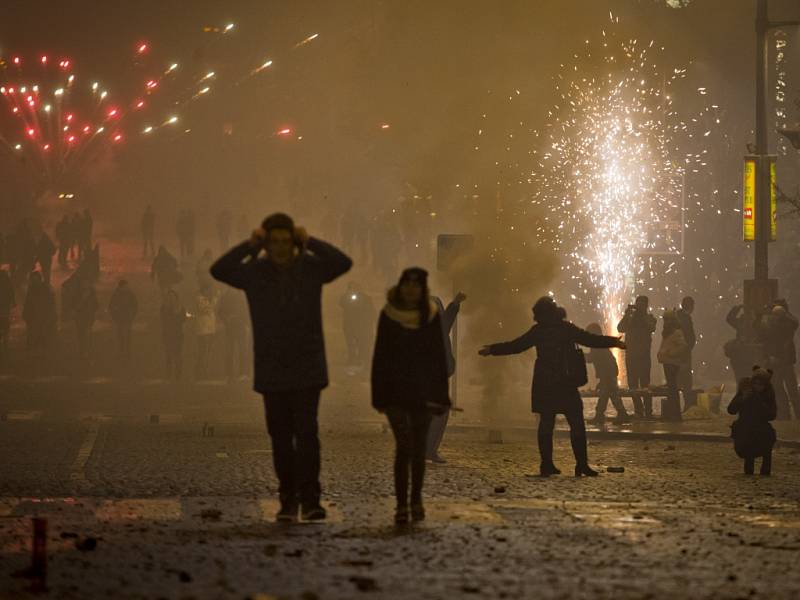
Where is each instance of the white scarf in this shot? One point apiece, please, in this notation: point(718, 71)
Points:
point(408, 318)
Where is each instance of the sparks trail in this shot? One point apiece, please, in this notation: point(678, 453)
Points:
point(57, 122)
point(612, 172)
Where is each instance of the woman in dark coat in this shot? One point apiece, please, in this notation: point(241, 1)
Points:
point(409, 381)
point(555, 381)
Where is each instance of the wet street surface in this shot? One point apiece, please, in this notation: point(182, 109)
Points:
point(149, 510)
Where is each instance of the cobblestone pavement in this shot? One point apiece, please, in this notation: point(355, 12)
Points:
point(179, 515)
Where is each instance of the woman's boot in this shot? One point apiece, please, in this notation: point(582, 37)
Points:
point(547, 468)
point(581, 456)
point(766, 463)
point(749, 465)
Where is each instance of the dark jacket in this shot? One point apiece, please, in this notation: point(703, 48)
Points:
point(776, 333)
point(285, 311)
point(408, 367)
point(638, 328)
point(752, 433)
point(551, 391)
point(123, 305)
point(687, 325)
point(605, 365)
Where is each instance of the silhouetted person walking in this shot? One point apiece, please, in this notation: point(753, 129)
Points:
point(439, 422)
point(638, 325)
point(185, 228)
point(409, 382)
point(148, 232)
point(358, 321)
point(284, 291)
point(173, 316)
point(685, 373)
point(164, 270)
point(64, 238)
point(206, 319)
point(123, 308)
point(85, 232)
point(45, 250)
point(752, 434)
point(7, 303)
point(232, 312)
point(85, 315)
point(606, 371)
point(559, 371)
point(39, 314)
point(672, 354)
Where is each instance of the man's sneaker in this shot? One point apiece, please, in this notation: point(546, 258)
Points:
point(314, 512)
point(287, 513)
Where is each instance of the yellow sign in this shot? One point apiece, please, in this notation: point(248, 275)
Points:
point(749, 201)
point(750, 197)
point(773, 205)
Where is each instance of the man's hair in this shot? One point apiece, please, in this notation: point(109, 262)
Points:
point(642, 300)
point(277, 221)
point(687, 301)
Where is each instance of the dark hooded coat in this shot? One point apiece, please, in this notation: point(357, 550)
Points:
point(551, 390)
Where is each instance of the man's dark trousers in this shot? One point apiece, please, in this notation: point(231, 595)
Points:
point(292, 425)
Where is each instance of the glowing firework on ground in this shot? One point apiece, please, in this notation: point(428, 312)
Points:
point(610, 175)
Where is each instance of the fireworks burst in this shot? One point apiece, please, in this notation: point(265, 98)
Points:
point(611, 178)
point(57, 122)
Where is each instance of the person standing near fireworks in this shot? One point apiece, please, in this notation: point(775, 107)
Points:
point(557, 374)
point(284, 292)
point(638, 325)
point(685, 373)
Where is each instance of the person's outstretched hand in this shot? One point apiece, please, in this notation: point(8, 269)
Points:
point(460, 297)
point(485, 351)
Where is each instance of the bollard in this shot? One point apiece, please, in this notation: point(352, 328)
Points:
point(39, 554)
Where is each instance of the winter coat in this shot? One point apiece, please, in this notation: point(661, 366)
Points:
point(687, 326)
point(776, 333)
point(86, 308)
point(123, 306)
point(674, 350)
point(605, 365)
point(638, 328)
point(409, 369)
point(206, 315)
point(172, 319)
point(551, 391)
point(39, 310)
point(285, 311)
point(752, 433)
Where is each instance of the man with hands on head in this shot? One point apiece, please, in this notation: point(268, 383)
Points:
point(284, 292)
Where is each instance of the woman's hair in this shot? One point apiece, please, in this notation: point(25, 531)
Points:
point(421, 276)
point(547, 312)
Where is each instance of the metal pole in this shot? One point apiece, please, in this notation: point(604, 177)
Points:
point(763, 217)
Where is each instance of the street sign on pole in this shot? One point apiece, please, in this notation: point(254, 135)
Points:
point(750, 197)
